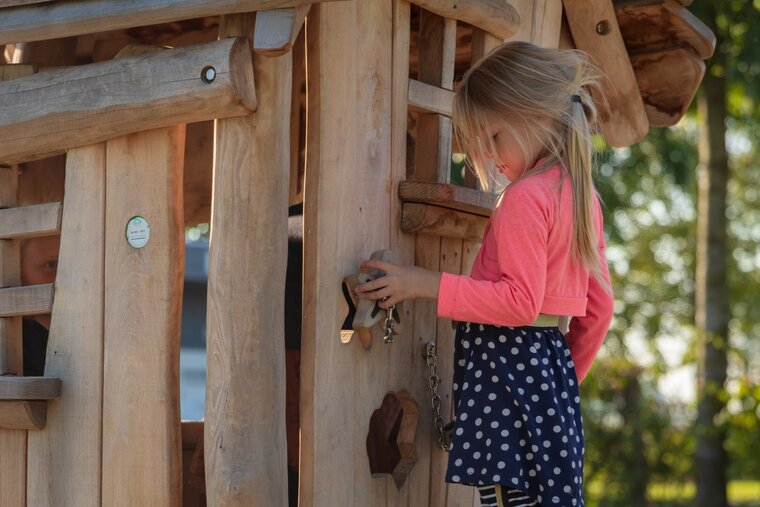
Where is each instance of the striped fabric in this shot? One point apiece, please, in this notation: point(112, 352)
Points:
point(496, 496)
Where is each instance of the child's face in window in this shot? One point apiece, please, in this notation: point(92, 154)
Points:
point(512, 158)
point(39, 264)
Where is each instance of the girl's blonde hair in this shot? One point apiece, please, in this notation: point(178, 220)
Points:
point(543, 95)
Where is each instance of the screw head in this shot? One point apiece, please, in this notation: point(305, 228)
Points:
point(208, 74)
point(603, 27)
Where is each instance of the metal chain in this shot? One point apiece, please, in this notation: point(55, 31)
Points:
point(388, 324)
point(435, 399)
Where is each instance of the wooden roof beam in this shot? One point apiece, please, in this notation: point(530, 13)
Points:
point(494, 16)
point(66, 18)
point(51, 111)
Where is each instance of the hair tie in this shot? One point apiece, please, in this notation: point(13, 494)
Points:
point(576, 98)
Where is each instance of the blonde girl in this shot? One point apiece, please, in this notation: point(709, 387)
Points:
point(525, 112)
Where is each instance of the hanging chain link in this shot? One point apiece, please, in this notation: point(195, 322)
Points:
point(388, 324)
point(435, 398)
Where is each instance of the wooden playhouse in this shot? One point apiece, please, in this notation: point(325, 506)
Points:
point(167, 113)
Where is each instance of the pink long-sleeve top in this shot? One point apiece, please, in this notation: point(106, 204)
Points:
point(525, 267)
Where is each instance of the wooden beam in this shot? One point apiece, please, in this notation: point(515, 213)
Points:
point(595, 30)
point(425, 98)
point(29, 388)
point(65, 18)
point(15, 70)
point(66, 457)
point(177, 91)
point(142, 451)
point(27, 300)
point(14, 3)
point(449, 196)
point(245, 442)
point(540, 22)
point(495, 16)
point(22, 415)
point(30, 221)
point(418, 218)
point(276, 30)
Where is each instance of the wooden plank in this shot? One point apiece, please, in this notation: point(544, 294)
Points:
point(540, 22)
point(595, 30)
point(16, 70)
point(22, 415)
point(498, 17)
point(199, 170)
point(425, 98)
point(347, 188)
point(668, 81)
point(13, 3)
point(65, 458)
point(126, 101)
point(12, 442)
point(437, 50)
point(448, 196)
point(298, 121)
point(30, 388)
point(30, 221)
point(658, 25)
point(142, 456)
point(418, 218)
point(245, 440)
point(276, 30)
point(28, 300)
point(65, 18)
point(427, 255)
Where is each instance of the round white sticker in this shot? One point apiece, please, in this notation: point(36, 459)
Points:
point(138, 232)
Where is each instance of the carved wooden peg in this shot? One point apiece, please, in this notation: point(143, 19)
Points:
point(390, 441)
point(365, 317)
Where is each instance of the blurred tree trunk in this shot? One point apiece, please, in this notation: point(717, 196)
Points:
point(636, 487)
point(712, 312)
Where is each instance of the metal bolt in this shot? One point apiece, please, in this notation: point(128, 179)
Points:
point(208, 74)
point(603, 27)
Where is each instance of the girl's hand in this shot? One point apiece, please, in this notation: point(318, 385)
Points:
point(399, 283)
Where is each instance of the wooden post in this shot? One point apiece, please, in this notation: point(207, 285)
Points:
point(142, 455)
point(245, 441)
point(65, 457)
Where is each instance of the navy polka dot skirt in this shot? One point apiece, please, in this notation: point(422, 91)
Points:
point(518, 414)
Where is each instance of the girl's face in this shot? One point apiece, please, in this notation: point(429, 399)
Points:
point(510, 157)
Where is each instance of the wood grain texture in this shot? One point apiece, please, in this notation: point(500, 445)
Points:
point(348, 187)
point(27, 300)
point(65, 18)
point(12, 442)
point(540, 22)
point(16, 70)
point(496, 16)
point(22, 415)
point(668, 81)
point(469, 200)
point(65, 458)
point(418, 218)
point(663, 24)
point(30, 221)
point(63, 116)
point(245, 441)
point(13, 3)
point(199, 170)
point(425, 98)
point(142, 457)
point(595, 30)
point(276, 30)
point(30, 388)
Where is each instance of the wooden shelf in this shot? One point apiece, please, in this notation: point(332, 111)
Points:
point(430, 220)
point(29, 388)
point(465, 199)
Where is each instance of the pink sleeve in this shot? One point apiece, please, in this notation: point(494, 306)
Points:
point(521, 232)
point(587, 333)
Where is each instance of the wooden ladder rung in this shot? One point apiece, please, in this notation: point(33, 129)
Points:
point(27, 300)
point(30, 221)
point(426, 98)
point(29, 388)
